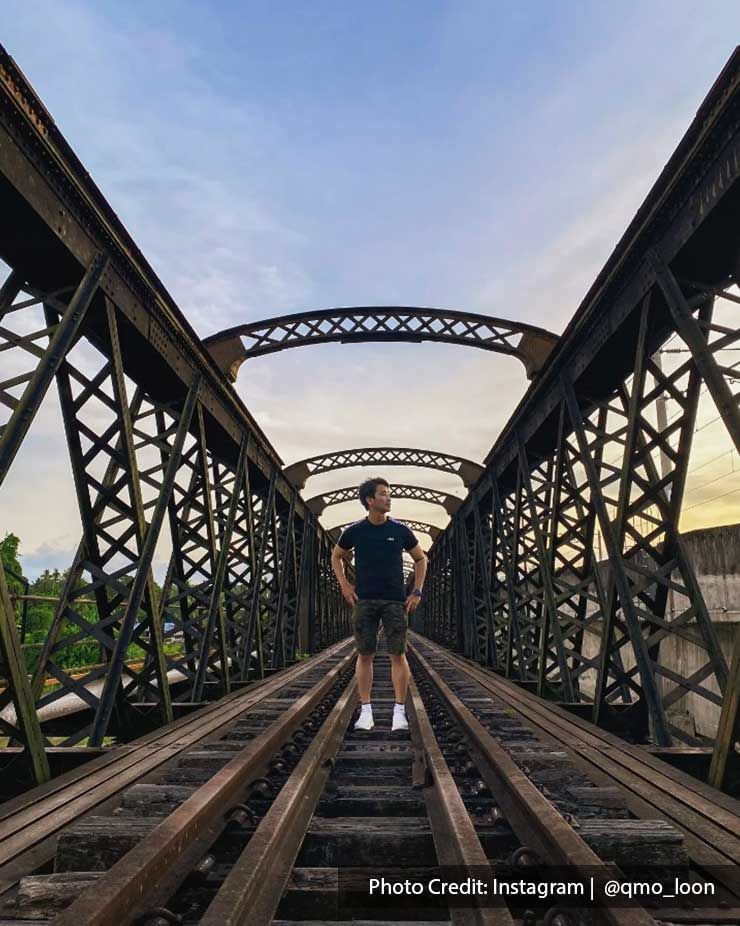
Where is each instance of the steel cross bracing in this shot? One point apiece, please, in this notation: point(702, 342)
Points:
point(299, 472)
point(601, 442)
point(418, 527)
point(450, 503)
point(531, 345)
point(164, 461)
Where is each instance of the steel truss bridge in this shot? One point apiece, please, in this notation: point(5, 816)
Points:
point(161, 448)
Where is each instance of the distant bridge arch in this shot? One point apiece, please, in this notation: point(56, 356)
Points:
point(450, 503)
point(299, 472)
point(232, 346)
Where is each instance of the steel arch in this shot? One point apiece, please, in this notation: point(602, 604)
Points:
point(299, 472)
point(419, 527)
point(450, 503)
point(232, 346)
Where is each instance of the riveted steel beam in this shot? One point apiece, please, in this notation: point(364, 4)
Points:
point(300, 472)
point(231, 347)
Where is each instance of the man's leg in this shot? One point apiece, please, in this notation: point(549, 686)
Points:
point(366, 632)
point(400, 674)
point(395, 624)
point(364, 676)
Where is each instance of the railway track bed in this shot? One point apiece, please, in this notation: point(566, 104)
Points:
point(271, 808)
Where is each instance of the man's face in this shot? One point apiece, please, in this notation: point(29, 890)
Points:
point(381, 501)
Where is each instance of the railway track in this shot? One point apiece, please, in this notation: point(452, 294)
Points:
point(268, 808)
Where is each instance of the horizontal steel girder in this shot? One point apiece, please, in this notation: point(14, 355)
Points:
point(299, 472)
point(450, 503)
point(231, 347)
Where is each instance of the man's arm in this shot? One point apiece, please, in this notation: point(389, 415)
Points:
point(420, 572)
point(338, 555)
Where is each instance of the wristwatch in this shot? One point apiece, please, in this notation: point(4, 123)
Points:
point(416, 593)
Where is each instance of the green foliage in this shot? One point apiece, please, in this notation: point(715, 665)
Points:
point(40, 616)
point(11, 564)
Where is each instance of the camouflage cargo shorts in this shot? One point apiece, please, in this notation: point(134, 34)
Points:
point(367, 615)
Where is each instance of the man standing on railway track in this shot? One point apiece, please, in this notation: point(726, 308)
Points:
point(379, 542)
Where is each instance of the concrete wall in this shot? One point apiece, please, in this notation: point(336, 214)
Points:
point(715, 555)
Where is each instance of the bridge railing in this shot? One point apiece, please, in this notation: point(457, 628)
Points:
point(165, 461)
point(597, 454)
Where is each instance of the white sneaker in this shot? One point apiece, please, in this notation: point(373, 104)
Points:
point(365, 721)
point(399, 721)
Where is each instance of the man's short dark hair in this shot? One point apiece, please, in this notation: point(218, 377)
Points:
point(367, 489)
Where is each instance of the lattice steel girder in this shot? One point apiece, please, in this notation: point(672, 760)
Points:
point(214, 622)
point(548, 612)
point(61, 338)
point(287, 589)
point(55, 223)
point(186, 591)
point(686, 231)
point(686, 220)
point(418, 527)
point(450, 503)
point(236, 486)
point(299, 472)
point(262, 588)
point(142, 584)
point(46, 191)
point(231, 347)
point(696, 336)
point(115, 559)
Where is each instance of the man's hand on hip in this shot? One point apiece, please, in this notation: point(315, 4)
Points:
point(349, 594)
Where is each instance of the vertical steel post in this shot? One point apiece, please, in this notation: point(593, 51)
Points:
point(21, 696)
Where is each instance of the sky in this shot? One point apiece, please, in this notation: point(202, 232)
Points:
point(274, 158)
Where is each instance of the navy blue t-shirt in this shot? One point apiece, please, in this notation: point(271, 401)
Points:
point(378, 560)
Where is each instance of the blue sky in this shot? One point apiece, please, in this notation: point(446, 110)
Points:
point(277, 157)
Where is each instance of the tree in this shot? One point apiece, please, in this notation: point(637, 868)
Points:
point(11, 564)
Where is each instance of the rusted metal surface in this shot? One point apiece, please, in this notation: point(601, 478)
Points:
point(151, 871)
point(534, 819)
point(455, 838)
point(30, 823)
point(252, 890)
point(708, 820)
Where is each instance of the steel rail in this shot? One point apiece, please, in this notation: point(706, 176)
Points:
point(253, 888)
point(454, 835)
point(29, 823)
point(709, 826)
point(147, 875)
point(720, 811)
point(536, 822)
